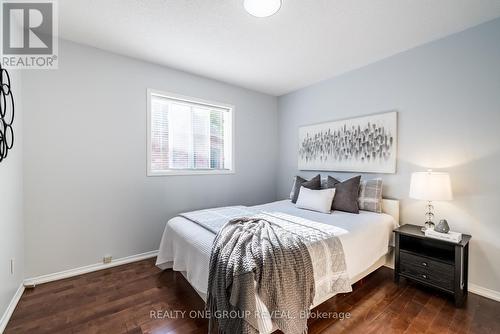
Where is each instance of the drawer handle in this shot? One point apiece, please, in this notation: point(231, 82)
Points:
point(424, 264)
point(424, 276)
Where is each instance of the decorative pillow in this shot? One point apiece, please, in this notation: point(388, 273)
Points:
point(316, 200)
point(314, 183)
point(346, 194)
point(370, 195)
point(292, 191)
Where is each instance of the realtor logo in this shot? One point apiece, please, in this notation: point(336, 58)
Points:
point(29, 34)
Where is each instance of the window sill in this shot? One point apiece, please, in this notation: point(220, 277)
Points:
point(190, 172)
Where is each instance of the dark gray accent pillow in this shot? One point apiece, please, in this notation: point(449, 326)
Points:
point(314, 184)
point(346, 194)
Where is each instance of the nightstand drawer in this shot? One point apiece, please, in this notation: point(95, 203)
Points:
point(426, 263)
point(426, 270)
point(434, 278)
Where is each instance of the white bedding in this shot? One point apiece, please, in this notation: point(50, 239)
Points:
point(186, 246)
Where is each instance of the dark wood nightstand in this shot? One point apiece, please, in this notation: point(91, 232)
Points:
point(440, 264)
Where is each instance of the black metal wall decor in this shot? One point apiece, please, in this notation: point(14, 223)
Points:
point(6, 114)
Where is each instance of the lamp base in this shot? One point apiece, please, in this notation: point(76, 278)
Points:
point(427, 225)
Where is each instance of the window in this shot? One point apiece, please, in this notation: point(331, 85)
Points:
point(188, 135)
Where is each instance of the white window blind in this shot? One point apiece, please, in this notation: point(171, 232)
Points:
point(188, 136)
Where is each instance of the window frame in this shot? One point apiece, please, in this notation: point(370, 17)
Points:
point(189, 99)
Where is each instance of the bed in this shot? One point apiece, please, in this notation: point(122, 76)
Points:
point(366, 237)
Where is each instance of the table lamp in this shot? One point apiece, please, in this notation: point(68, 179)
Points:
point(430, 186)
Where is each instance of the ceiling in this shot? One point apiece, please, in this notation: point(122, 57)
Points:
point(305, 42)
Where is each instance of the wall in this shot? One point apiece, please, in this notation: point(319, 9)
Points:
point(447, 95)
point(86, 189)
point(11, 207)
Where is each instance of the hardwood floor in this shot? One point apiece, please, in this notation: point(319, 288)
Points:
point(120, 300)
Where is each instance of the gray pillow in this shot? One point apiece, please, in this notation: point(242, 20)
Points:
point(370, 195)
point(314, 184)
point(346, 194)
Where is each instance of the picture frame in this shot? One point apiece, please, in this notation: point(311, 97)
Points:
point(365, 144)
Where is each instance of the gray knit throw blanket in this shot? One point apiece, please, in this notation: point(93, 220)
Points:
point(250, 256)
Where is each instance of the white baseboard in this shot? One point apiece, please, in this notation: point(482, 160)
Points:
point(87, 269)
point(389, 259)
point(10, 309)
point(389, 265)
point(479, 290)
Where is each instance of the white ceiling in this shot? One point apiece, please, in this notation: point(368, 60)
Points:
point(305, 42)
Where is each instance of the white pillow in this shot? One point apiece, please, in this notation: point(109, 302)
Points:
point(316, 200)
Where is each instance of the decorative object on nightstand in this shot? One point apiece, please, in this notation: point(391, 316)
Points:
point(430, 186)
point(450, 236)
point(442, 226)
point(436, 263)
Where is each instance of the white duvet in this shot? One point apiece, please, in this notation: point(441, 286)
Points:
point(186, 246)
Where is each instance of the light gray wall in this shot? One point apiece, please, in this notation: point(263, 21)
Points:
point(11, 207)
point(448, 97)
point(86, 190)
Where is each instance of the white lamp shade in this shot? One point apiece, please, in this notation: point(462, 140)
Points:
point(431, 186)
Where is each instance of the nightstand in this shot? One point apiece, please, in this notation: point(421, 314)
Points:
point(440, 264)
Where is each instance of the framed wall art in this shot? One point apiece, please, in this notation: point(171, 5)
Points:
point(366, 144)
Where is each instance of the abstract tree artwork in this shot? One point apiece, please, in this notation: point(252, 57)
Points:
point(364, 144)
point(6, 115)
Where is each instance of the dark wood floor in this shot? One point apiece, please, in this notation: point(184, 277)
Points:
point(119, 300)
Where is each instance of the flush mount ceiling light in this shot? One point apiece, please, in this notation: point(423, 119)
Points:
point(262, 8)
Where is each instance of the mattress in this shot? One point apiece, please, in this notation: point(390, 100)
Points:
point(186, 246)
